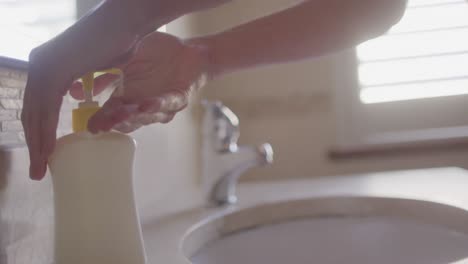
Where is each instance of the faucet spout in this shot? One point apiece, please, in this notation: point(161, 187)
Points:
point(224, 161)
point(248, 157)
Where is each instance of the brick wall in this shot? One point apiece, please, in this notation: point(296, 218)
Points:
point(12, 84)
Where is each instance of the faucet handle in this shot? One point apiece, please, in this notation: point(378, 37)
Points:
point(223, 123)
point(267, 153)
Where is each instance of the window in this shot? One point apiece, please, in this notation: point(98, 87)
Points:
point(410, 84)
point(26, 24)
point(427, 54)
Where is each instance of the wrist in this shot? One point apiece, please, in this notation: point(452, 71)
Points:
point(94, 42)
point(205, 47)
point(44, 68)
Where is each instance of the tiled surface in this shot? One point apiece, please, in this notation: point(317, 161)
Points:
point(12, 84)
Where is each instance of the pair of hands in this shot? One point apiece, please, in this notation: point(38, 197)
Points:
point(158, 76)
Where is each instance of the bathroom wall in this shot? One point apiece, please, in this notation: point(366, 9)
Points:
point(292, 107)
point(12, 84)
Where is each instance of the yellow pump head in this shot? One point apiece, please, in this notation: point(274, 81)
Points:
point(86, 109)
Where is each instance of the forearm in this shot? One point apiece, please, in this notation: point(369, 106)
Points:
point(309, 29)
point(90, 43)
point(112, 28)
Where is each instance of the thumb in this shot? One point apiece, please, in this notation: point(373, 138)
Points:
point(113, 112)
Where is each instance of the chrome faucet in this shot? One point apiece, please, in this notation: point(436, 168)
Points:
point(224, 161)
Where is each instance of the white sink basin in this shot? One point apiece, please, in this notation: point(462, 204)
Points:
point(334, 230)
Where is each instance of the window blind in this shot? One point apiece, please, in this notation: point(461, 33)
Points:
point(424, 56)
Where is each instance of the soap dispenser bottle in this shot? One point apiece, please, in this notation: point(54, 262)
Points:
point(96, 220)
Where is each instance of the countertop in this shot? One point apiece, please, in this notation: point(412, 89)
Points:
point(164, 236)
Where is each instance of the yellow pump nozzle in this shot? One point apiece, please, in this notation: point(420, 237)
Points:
point(86, 109)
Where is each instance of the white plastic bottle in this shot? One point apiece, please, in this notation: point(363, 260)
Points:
point(96, 220)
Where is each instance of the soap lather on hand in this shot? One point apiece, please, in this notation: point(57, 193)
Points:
point(155, 85)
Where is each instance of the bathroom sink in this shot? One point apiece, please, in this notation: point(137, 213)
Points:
point(333, 230)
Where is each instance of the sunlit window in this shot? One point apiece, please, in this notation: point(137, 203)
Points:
point(24, 24)
point(423, 56)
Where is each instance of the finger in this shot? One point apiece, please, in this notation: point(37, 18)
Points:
point(49, 126)
point(152, 105)
point(174, 101)
point(30, 124)
point(37, 162)
point(100, 84)
point(31, 120)
point(168, 103)
point(127, 127)
point(169, 118)
point(114, 111)
point(139, 120)
point(151, 118)
point(48, 115)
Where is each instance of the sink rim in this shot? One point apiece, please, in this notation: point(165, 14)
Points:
point(233, 221)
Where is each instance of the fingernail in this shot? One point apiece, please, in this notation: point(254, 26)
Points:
point(34, 176)
point(37, 171)
point(31, 173)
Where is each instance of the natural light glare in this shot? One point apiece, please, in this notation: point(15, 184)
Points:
point(26, 24)
point(409, 45)
point(415, 3)
point(381, 94)
point(424, 56)
point(433, 17)
point(420, 69)
point(162, 29)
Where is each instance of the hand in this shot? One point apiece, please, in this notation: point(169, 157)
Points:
point(157, 82)
point(97, 41)
point(52, 69)
point(41, 106)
